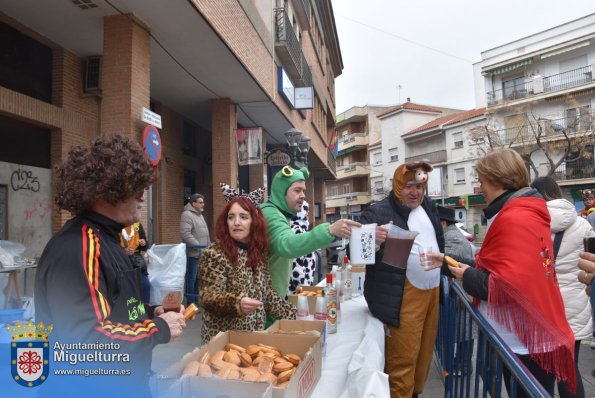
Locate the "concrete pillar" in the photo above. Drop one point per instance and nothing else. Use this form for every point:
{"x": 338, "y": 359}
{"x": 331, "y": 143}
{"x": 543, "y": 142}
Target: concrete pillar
{"x": 125, "y": 75}
{"x": 224, "y": 151}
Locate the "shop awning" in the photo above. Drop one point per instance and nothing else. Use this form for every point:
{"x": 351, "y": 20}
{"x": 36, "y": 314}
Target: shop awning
{"x": 507, "y": 68}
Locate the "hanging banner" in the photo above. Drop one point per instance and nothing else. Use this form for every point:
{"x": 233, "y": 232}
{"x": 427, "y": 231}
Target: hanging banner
{"x": 249, "y": 145}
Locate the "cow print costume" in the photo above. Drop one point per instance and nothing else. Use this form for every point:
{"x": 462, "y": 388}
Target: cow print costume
{"x": 303, "y": 267}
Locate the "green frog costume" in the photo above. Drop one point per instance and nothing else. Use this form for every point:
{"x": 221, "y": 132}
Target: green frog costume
{"x": 285, "y": 244}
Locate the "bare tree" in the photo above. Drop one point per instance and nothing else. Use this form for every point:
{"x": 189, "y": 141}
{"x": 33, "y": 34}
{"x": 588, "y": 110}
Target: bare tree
{"x": 539, "y": 138}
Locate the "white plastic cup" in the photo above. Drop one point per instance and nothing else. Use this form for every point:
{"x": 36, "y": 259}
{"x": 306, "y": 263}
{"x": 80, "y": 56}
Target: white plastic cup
{"x": 303, "y": 310}
{"x": 320, "y": 309}
{"x": 424, "y": 259}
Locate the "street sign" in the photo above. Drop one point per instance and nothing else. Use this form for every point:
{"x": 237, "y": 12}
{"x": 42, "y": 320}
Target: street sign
{"x": 278, "y": 157}
{"x": 152, "y": 144}
{"x": 151, "y": 117}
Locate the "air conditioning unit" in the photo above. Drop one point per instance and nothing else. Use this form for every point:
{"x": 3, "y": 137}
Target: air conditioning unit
{"x": 92, "y": 75}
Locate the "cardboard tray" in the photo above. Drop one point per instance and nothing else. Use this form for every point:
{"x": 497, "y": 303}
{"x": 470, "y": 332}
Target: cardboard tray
{"x": 301, "y": 385}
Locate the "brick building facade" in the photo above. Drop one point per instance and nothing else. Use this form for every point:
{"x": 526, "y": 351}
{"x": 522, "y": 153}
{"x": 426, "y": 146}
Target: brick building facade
{"x": 207, "y": 68}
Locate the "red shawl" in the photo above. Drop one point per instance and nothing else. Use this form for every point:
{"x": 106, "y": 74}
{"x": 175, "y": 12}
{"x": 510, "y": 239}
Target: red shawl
{"x": 524, "y": 296}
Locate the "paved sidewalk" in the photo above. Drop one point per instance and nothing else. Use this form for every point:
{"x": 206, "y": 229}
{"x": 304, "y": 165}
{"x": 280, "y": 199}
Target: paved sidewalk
{"x": 435, "y": 384}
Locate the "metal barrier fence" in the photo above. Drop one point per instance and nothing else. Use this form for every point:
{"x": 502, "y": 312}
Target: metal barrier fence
{"x": 472, "y": 355}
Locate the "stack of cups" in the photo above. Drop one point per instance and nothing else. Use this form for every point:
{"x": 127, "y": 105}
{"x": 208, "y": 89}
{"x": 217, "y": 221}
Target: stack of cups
{"x": 303, "y": 311}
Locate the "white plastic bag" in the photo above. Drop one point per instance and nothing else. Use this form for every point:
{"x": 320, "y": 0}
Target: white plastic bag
{"x": 8, "y": 251}
{"x": 29, "y": 307}
{"x": 167, "y": 268}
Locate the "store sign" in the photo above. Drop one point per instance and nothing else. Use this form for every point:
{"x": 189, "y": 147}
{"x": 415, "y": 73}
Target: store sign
{"x": 249, "y": 144}
{"x": 285, "y": 87}
{"x": 278, "y": 158}
{"x": 304, "y": 98}
{"x": 296, "y": 97}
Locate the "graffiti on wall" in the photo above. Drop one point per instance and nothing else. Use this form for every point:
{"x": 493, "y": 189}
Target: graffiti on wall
{"x": 41, "y": 209}
{"x": 24, "y": 179}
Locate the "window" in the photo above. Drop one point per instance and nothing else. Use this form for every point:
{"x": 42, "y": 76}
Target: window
{"x": 377, "y": 158}
{"x": 578, "y": 119}
{"x": 378, "y": 186}
{"x": 458, "y": 139}
{"x": 345, "y": 136}
{"x": 514, "y": 88}
{"x": 460, "y": 175}
{"x": 574, "y": 63}
{"x": 346, "y": 188}
{"x": 393, "y": 155}
{"x": 334, "y": 191}
{"x": 474, "y": 174}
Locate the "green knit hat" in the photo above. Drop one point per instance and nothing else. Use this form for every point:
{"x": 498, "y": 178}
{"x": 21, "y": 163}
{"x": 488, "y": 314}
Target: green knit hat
{"x": 281, "y": 183}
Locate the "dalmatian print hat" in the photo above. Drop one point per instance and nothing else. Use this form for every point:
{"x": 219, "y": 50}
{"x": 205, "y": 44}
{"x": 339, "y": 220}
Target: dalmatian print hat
{"x": 256, "y": 196}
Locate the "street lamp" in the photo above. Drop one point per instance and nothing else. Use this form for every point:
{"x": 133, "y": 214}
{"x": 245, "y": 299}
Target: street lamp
{"x": 299, "y": 145}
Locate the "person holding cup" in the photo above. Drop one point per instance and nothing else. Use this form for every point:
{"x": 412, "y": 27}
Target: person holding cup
{"x": 405, "y": 297}
{"x": 236, "y": 290}
{"x": 514, "y": 284}
{"x": 288, "y": 192}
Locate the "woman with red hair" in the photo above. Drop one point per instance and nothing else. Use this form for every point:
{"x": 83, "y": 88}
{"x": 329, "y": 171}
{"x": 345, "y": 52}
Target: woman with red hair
{"x": 236, "y": 290}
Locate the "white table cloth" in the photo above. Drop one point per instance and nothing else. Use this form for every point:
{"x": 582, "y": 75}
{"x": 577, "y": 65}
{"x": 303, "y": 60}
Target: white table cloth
{"x": 354, "y": 361}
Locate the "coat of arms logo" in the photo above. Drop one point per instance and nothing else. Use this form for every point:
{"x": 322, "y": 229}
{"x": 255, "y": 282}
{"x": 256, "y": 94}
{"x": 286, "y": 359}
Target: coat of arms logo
{"x": 29, "y": 353}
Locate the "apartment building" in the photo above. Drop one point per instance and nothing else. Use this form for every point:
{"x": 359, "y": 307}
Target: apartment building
{"x": 446, "y": 143}
{"x": 350, "y": 194}
{"x": 72, "y": 70}
{"x": 539, "y": 96}
{"x": 394, "y": 123}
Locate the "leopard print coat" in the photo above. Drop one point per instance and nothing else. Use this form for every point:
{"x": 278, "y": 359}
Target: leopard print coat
{"x": 223, "y": 285}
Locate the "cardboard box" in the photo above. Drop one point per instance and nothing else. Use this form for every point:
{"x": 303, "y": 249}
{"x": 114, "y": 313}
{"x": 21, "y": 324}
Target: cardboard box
{"x": 286, "y": 326}
{"x": 293, "y": 299}
{"x": 301, "y": 385}
{"x": 210, "y": 388}
{"x": 358, "y": 276}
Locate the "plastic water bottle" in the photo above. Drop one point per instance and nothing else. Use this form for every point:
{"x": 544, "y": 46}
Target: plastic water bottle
{"x": 346, "y": 279}
{"x": 331, "y": 305}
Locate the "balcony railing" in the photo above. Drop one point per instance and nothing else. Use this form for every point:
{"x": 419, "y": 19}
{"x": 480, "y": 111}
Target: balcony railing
{"x": 352, "y": 140}
{"x": 289, "y": 50}
{"x": 539, "y": 85}
{"x": 549, "y": 129}
{"x": 581, "y": 168}
{"x": 568, "y": 79}
{"x": 432, "y": 157}
{"x": 353, "y": 170}
{"x": 353, "y": 198}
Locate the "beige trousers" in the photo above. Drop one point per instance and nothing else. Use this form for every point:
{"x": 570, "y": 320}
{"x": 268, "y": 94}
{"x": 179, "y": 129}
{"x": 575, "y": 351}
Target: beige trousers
{"x": 409, "y": 348}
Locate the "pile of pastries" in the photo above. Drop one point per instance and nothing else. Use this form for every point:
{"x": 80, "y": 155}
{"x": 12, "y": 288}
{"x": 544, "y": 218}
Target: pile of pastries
{"x": 256, "y": 362}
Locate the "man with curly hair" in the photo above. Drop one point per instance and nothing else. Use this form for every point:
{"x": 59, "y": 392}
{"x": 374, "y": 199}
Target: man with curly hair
{"x": 86, "y": 286}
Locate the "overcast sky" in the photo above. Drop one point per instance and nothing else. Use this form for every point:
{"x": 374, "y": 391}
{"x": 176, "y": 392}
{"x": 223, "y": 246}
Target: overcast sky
{"x": 429, "y": 46}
